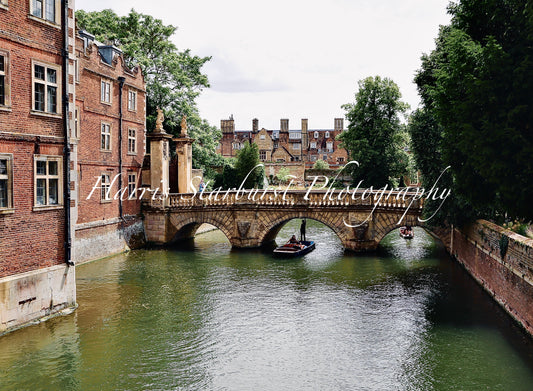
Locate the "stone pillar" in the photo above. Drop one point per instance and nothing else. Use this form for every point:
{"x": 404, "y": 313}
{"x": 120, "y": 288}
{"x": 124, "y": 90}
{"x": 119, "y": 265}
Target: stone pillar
{"x": 184, "y": 154}
{"x": 159, "y": 156}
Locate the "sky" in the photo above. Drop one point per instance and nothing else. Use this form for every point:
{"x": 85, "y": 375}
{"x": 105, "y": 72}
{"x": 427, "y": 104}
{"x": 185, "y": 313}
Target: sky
{"x": 295, "y": 58}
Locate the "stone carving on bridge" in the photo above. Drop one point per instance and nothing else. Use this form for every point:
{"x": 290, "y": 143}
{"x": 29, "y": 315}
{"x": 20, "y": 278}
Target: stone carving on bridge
{"x": 360, "y": 231}
{"x": 243, "y": 227}
{"x": 183, "y": 125}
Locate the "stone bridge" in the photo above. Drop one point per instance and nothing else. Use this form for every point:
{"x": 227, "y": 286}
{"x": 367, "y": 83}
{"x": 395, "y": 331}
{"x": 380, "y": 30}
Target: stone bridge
{"x": 360, "y": 219}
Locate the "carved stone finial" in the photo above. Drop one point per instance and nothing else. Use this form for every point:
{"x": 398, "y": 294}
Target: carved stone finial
{"x": 159, "y": 121}
{"x": 184, "y": 125}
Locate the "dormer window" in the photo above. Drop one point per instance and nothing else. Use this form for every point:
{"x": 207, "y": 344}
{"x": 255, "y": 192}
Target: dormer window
{"x": 327, "y": 134}
{"x": 316, "y": 134}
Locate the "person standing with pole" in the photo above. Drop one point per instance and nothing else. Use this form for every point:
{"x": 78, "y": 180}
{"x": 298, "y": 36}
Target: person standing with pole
{"x": 302, "y": 230}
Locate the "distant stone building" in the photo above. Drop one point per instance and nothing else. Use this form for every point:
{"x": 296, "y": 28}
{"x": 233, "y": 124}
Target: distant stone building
{"x": 109, "y": 128}
{"x": 286, "y": 145}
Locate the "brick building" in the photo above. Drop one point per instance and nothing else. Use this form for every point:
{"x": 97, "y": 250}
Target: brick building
{"x": 110, "y": 139}
{"x": 286, "y": 145}
{"x": 36, "y": 95}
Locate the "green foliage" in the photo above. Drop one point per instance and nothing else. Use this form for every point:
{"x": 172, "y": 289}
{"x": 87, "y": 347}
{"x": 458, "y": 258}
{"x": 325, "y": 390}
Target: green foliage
{"x": 321, "y": 165}
{"x": 374, "y": 135}
{"x": 247, "y": 159}
{"x": 173, "y": 78}
{"x": 283, "y": 174}
{"x": 477, "y": 84}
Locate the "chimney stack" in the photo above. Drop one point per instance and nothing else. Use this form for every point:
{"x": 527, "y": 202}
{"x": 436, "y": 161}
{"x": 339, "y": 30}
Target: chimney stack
{"x": 284, "y": 125}
{"x": 339, "y": 125}
{"x": 255, "y": 125}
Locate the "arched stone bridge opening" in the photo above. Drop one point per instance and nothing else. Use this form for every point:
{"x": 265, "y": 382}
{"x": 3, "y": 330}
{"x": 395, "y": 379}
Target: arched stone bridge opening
{"x": 359, "y": 222}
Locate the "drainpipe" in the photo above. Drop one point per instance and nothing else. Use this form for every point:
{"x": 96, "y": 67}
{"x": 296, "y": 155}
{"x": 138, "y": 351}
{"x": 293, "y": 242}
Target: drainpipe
{"x": 66, "y": 129}
{"x": 121, "y": 80}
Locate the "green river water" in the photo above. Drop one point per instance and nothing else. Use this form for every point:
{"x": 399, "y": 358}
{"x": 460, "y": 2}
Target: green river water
{"x": 205, "y": 317}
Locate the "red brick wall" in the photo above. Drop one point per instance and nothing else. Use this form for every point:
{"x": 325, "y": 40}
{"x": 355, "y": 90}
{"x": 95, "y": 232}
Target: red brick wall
{"x": 29, "y": 239}
{"x": 92, "y": 162}
{"x": 508, "y": 279}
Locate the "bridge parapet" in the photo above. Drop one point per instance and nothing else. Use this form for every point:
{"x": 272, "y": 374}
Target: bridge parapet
{"x": 260, "y": 198}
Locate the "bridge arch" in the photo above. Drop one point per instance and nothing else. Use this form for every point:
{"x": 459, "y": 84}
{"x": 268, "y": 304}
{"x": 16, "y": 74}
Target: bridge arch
{"x": 185, "y": 227}
{"x": 272, "y": 229}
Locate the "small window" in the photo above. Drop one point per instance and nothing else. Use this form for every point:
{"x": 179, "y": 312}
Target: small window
{"x": 340, "y": 159}
{"x": 132, "y": 186}
{"x": 6, "y": 181}
{"x": 77, "y": 70}
{"x": 76, "y": 122}
{"x": 262, "y": 155}
{"x": 296, "y": 146}
{"x": 313, "y": 145}
{"x": 316, "y": 134}
{"x": 105, "y": 143}
{"x": 327, "y": 134}
{"x": 261, "y": 137}
{"x": 132, "y": 100}
{"x": 105, "y": 93}
{"x": 48, "y": 180}
{"x": 105, "y": 194}
{"x": 45, "y": 9}
{"x": 46, "y": 90}
{"x": 4, "y": 79}
{"x": 132, "y": 141}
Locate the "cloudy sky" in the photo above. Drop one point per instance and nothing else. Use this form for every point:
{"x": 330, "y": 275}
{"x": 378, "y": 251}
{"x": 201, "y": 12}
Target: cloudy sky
{"x": 295, "y": 58}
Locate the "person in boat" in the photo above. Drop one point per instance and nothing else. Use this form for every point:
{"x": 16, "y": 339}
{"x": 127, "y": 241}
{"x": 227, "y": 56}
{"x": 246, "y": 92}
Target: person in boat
{"x": 302, "y": 230}
{"x": 293, "y": 239}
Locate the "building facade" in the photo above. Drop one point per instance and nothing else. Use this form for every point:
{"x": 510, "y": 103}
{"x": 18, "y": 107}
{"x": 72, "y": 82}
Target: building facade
{"x": 109, "y": 128}
{"x": 36, "y": 204}
{"x": 286, "y": 145}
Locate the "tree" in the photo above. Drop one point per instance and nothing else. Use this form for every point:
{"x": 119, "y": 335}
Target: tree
{"x": 283, "y": 174}
{"x": 477, "y": 84}
{"x": 247, "y": 162}
{"x": 321, "y": 165}
{"x": 173, "y": 78}
{"x": 373, "y": 136}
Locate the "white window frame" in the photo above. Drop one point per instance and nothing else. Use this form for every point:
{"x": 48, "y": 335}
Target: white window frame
{"x": 8, "y": 177}
{"x": 47, "y": 84}
{"x": 105, "y": 137}
{"x": 47, "y": 177}
{"x": 316, "y": 134}
{"x": 132, "y": 185}
{"x": 132, "y": 141}
{"x": 106, "y": 91}
{"x": 262, "y": 137}
{"x": 77, "y": 70}
{"x": 105, "y": 187}
{"x": 327, "y": 134}
{"x": 329, "y": 146}
{"x": 40, "y": 12}
{"x": 132, "y": 100}
{"x": 313, "y": 144}
{"x": 7, "y": 82}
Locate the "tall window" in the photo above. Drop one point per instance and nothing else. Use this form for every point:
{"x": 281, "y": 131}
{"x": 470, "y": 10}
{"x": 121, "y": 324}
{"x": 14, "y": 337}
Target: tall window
{"x": 45, "y": 9}
{"x": 48, "y": 180}
{"x": 262, "y": 155}
{"x": 132, "y": 141}
{"x": 46, "y": 88}
{"x": 105, "y": 143}
{"x": 329, "y": 146}
{"x": 105, "y": 194}
{"x": 4, "y": 87}
{"x": 6, "y": 181}
{"x": 132, "y": 186}
{"x": 132, "y": 100}
{"x": 105, "y": 93}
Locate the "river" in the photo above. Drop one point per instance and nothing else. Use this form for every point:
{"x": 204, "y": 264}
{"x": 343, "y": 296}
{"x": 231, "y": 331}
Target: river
{"x": 204, "y": 317}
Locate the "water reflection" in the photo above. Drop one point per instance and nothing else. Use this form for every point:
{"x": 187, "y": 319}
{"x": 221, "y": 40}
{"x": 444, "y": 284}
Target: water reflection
{"x": 203, "y": 316}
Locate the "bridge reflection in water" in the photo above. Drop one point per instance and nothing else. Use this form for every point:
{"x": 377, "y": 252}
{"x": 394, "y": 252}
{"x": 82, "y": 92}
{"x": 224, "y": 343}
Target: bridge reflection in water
{"x": 360, "y": 219}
